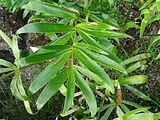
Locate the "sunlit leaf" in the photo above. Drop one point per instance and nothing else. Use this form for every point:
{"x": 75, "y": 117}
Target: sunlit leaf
{"x": 136, "y": 79}
{"x": 87, "y": 92}
{"x": 49, "y": 8}
{"x": 48, "y": 73}
{"x": 44, "y": 28}
{"x": 52, "y": 87}
{"x": 70, "y": 91}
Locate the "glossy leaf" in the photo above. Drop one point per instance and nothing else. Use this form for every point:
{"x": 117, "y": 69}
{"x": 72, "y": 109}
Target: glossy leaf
{"x": 52, "y": 87}
{"x": 6, "y": 38}
{"x": 136, "y": 58}
{"x": 94, "y": 67}
{"x": 87, "y": 92}
{"x": 130, "y": 25}
{"x": 96, "y": 26}
{"x": 63, "y": 39}
{"x": 158, "y": 56}
{"x": 106, "y": 61}
{"x": 144, "y": 23}
{"x": 132, "y": 104}
{"x": 14, "y": 88}
{"x": 87, "y": 38}
{"x": 133, "y": 112}
{"x": 70, "y": 91}
{"x": 107, "y": 114}
{"x": 146, "y": 4}
{"x": 7, "y": 64}
{"x": 91, "y": 75}
{"x": 90, "y": 47}
{"x": 136, "y": 66}
{"x": 106, "y": 34}
{"x": 138, "y": 93}
{"x": 49, "y": 8}
{"x": 15, "y": 49}
{"x": 36, "y": 58}
{"x": 136, "y": 79}
{"x": 70, "y": 111}
{"x": 44, "y": 28}
{"x": 154, "y": 41}
{"x": 3, "y": 70}
{"x": 48, "y": 73}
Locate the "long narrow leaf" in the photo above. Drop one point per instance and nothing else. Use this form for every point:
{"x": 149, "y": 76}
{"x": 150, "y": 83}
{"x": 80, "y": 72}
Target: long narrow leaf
{"x": 50, "y": 9}
{"x": 44, "y": 28}
{"x": 105, "y": 61}
{"x": 48, "y": 73}
{"x": 94, "y": 67}
{"x": 87, "y": 92}
{"x": 6, "y": 38}
{"x": 136, "y": 58}
{"x": 138, "y": 93}
{"x": 36, "y": 58}
{"x": 70, "y": 91}
{"x": 105, "y": 34}
{"x": 136, "y": 79}
{"x": 7, "y": 64}
{"x": 51, "y": 88}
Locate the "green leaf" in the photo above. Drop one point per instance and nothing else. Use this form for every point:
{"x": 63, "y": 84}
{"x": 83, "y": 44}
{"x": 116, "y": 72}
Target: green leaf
{"x": 91, "y": 75}
{"x": 6, "y": 38}
{"x": 94, "y": 67}
{"x": 142, "y": 116}
{"x": 48, "y": 73}
{"x": 96, "y": 26}
{"x": 133, "y": 112}
{"x": 87, "y": 38}
{"x": 2, "y": 70}
{"x": 90, "y": 47}
{"x": 48, "y": 8}
{"x": 36, "y": 58}
{"x": 52, "y": 87}
{"x": 146, "y": 4}
{"x": 7, "y": 64}
{"x": 63, "y": 39}
{"x": 105, "y": 34}
{"x": 136, "y": 58}
{"x": 154, "y": 41}
{"x": 41, "y": 16}
{"x": 135, "y": 66}
{"x": 138, "y": 93}
{"x": 14, "y": 86}
{"x": 106, "y": 61}
{"x": 107, "y": 114}
{"x": 144, "y": 23}
{"x": 130, "y": 25}
{"x": 70, "y": 91}
{"x": 95, "y": 18}
{"x": 70, "y": 111}
{"x": 158, "y": 56}
{"x": 124, "y": 108}
{"x": 132, "y": 104}
{"x": 136, "y": 79}
{"x": 119, "y": 112}
{"x": 15, "y": 49}
{"x": 55, "y": 47}
{"x": 44, "y": 28}
{"x": 87, "y": 92}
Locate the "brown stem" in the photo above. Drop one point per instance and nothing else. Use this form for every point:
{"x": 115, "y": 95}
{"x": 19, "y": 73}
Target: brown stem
{"x": 119, "y": 101}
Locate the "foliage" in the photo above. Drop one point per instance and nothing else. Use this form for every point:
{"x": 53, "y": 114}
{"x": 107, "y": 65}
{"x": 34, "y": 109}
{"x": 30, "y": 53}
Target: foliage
{"x": 79, "y": 55}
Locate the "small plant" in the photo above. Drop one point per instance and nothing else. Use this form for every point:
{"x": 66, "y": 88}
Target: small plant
{"x": 79, "y": 55}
